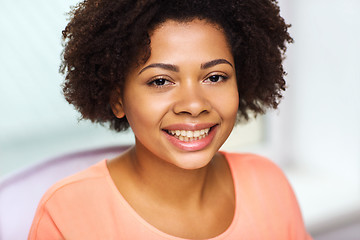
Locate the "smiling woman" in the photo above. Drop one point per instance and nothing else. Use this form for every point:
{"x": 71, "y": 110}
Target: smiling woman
{"x": 180, "y": 81}
{"x": 179, "y": 91}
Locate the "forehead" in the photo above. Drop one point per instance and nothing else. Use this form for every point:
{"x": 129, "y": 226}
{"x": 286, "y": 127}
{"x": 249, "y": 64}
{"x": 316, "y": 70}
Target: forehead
{"x": 194, "y": 39}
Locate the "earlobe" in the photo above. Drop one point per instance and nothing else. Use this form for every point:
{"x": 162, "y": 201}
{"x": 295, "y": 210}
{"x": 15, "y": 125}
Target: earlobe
{"x": 116, "y": 104}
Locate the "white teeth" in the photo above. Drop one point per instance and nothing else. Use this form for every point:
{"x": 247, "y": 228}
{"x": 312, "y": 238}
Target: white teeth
{"x": 184, "y": 135}
{"x": 196, "y": 134}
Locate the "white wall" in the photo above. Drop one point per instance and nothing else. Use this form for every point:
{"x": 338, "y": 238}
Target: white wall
{"x": 324, "y": 107}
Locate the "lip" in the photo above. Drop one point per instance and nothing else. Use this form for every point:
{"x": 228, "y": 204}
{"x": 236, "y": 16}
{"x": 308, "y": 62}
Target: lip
{"x": 195, "y": 145}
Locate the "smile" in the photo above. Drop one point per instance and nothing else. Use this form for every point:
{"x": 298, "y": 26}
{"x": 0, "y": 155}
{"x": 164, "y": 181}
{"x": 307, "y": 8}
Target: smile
{"x": 188, "y": 136}
{"x": 191, "y": 137}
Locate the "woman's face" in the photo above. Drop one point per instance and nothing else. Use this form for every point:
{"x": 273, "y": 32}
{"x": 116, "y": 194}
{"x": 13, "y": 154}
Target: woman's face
{"x": 182, "y": 103}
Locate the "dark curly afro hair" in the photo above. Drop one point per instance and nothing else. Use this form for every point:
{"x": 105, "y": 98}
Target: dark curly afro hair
{"x": 105, "y": 38}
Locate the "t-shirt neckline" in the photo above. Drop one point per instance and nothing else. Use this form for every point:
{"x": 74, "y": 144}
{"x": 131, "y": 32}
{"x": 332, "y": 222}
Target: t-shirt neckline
{"x": 162, "y": 234}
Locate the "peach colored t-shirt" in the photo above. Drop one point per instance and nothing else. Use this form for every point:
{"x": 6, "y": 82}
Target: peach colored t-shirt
{"x": 88, "y": 206}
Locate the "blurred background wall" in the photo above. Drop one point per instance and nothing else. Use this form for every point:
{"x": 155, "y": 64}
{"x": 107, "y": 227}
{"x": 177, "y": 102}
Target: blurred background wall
{"x": 314, "y": 136}
{"x": 323, "y": 109}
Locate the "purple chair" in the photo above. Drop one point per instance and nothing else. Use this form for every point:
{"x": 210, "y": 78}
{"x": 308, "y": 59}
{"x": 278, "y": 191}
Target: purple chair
{"x": 20, "y": 193}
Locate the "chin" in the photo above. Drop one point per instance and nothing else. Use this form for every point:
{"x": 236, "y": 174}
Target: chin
{"x": 193, "y": 161}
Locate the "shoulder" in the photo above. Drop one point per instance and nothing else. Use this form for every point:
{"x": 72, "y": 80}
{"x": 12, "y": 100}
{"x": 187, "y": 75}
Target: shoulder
{"x": 252, "y": 163}
{"x": 77, "y": 183}
{"x": 258, "y": 173}
{"x": 68, "y": 198}
{"x": 263, "y": 191}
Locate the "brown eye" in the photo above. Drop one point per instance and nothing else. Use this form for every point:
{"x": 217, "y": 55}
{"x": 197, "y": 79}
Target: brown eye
{"x": 216, "y": 78}
{"x": 159, "y": 82}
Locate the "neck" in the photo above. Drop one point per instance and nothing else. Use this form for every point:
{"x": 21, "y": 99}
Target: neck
{"x": 167, "y": 183}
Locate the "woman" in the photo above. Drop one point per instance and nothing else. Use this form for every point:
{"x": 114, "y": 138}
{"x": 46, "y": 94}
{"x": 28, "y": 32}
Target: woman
{"x": 180, "y": 74}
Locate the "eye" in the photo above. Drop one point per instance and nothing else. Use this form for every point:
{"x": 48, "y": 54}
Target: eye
{"x": 159, "y": 82}
{"x": 216, "y": 78}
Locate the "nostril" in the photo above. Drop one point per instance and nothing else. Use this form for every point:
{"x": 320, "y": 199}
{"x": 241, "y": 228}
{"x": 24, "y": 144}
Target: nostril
{"x": 193, "y": 112}
{"x": 192, "y": 106}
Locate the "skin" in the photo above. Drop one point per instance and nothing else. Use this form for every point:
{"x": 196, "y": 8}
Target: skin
{"x": 187, "y": 83}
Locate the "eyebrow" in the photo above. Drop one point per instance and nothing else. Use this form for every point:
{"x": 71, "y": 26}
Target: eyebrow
{"x": 175, "y": 68}
{"x": 214, "y": 63}
{"x": 161, "y": 65}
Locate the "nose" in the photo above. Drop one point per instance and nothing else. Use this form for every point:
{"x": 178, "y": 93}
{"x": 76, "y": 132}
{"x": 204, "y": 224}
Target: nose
{"x": 192, "y": 99}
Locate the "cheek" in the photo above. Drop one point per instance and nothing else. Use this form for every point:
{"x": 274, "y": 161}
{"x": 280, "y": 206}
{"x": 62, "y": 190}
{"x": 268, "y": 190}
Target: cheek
{"x": 145, "y": 111}
{"x": 227, "y": 104}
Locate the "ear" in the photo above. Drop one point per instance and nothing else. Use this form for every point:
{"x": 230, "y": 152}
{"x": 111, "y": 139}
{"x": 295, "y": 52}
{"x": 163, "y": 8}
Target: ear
{"x": 116, "y": 103}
